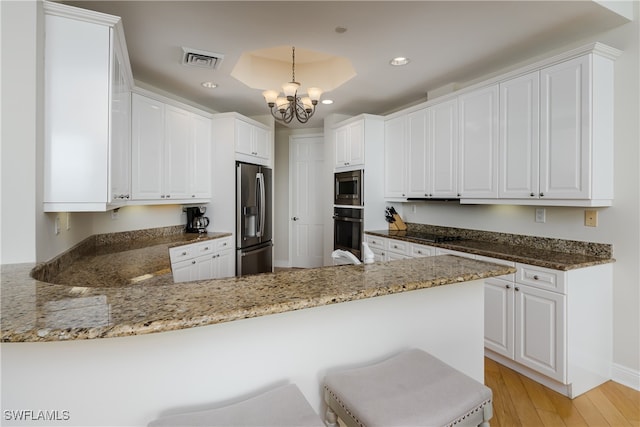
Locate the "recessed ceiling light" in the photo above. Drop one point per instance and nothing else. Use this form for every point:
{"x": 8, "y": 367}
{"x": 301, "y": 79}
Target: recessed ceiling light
{"x": 209, "y": 85}
{"x": 327, "y": 101}
{"x": 398, "y": 61}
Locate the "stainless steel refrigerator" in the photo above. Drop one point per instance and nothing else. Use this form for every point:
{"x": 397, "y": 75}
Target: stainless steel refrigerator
{"x": 254, "y": 249}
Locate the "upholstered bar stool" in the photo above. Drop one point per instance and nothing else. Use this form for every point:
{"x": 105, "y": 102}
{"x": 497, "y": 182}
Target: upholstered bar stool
{"x": 281, "y": 407}
{"x": 410, "y": 389}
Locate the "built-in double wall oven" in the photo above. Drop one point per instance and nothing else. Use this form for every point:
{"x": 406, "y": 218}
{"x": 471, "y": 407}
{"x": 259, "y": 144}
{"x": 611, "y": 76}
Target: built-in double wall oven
{"x": 348, "y": 212}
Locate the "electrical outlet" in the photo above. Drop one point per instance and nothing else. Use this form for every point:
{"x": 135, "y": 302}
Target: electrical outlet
{"x": 590, "y": 218}
{"x": 541, "y": 215}
{"x": 115, "y": 214}
{"x": 413, "y": 208}
{"x": 56, "y": 226}
{"x": 68, "y": 225}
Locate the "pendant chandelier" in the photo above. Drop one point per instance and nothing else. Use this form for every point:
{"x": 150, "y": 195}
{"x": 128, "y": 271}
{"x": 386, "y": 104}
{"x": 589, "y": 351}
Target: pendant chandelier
{"x": 285, "y": 108}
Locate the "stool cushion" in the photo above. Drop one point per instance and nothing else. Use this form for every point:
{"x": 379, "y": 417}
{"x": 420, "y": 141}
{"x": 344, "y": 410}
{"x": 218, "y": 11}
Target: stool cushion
{"x": 284, "y": 406}
{"x": 412, "y": 388}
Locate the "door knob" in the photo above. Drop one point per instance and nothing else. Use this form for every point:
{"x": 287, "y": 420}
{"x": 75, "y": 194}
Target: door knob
{"x": 295, "y": 218}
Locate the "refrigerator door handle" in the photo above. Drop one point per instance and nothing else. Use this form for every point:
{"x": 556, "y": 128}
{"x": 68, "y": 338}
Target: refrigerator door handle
{"x": 261, "y": 203}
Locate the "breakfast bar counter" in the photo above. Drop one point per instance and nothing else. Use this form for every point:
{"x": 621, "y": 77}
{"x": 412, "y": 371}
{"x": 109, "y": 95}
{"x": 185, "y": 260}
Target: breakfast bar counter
{"x": 124, "y": 355}
{"x": 40, "y": 311}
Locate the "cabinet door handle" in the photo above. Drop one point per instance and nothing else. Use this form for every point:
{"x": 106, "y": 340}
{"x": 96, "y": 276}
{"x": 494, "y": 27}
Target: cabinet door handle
{"x": 168, "y": 196}
{"x": 162, "y": 196}
{"x": 193, "y": 262}
{"x": 517, "y": 289}
{"x": 508, "y": 286}
{"x": 532, "y": 194}
{"x": 541, "y": 194}
{"x": 536, "y": 277}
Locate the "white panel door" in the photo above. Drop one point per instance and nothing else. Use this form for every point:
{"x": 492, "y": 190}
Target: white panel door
{"x": 498, "y": 316}
{"x": 306, "y": 160}
{"x": 356, "y": 143}
{"x": 565, "y": 132}
{"x": 200, "y": 186}
{"x": 177, "y": 166}
{"x": 540, "y": 331}
{"x": 394, "y": 157}
{"x": 519, "y": 137}
{"x": 443, "y": 150}
{"x": 478, "y": 147}
{"x": 147, "y": 140}
{"x": 417, "y": 153}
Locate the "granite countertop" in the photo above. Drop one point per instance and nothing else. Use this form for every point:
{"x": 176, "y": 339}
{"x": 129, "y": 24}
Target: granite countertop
{"x": 548, "y": 256}
{"x": 33, "y": 310}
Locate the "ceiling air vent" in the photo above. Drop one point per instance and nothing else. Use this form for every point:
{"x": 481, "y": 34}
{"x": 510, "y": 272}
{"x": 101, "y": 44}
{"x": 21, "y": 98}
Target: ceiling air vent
{"x": 201, "y": 58}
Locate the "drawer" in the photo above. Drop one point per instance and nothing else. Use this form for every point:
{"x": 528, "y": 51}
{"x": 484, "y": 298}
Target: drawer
{"x": 541, "y": 278}
{"x": 398, "y": 246}
{"x": 204, "y": 248}
{"x": 416, "y": 250}
{"x": 510, "y": 277}
{"x": 223, "y": 243}
{"x": 180, "y": 253}
{"x": 375, "y": 242}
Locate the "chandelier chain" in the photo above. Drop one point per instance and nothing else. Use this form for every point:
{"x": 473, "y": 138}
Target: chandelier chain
{"x": 293, "y": 63}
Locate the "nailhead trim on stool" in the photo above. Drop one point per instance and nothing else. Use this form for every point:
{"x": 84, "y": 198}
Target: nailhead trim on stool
{"x": 410, "y": 389}
{"x": 284, "y": 406}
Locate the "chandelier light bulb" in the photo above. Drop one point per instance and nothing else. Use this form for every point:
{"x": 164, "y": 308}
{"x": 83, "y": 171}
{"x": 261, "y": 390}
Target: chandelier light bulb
{"x": 270, "y": 97}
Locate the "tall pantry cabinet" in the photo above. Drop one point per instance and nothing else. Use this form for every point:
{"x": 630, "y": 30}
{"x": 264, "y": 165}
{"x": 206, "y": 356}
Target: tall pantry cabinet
{"x": 86, "y": 111}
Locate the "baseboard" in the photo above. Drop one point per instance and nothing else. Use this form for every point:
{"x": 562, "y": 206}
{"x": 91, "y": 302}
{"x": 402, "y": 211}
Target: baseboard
{"x": 281, "y": 263}
{"x": 626, "y": 376}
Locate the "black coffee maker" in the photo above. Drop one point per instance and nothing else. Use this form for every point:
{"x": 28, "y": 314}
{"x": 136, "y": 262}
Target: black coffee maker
{"x": 196, "y": 221}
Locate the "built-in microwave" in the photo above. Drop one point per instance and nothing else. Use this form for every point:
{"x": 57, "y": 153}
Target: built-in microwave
{"x": 349, "y": 188}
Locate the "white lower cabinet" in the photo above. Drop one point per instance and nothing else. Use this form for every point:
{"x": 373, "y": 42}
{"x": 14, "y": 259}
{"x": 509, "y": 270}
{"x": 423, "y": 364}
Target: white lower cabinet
{"x": 552, "y": 326}
{"x": 526, "y": 325}
{"x": 391, "y": 249}
{"x": 213, "y": 259}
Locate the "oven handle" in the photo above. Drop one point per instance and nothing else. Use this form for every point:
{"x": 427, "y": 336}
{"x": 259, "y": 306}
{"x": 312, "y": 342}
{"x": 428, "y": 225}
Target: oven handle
{"x": 346, "y": 218}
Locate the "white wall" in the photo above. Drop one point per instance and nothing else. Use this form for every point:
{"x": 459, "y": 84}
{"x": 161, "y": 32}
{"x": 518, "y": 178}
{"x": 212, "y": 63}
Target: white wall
{"x": 618, "y": 225}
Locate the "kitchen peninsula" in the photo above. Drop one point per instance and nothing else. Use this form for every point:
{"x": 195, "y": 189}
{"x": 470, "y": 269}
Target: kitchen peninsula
{"x": 257, "y": 331}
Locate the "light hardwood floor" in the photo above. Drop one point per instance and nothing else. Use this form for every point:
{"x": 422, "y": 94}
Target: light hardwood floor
{"x": 520, "y": 401}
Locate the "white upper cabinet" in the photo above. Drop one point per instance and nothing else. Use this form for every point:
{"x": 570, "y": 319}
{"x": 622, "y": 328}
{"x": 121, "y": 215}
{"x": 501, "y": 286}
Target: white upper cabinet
{"x": 395, "y": 131}
{"x": 478, "y": 147}
{"x": 253, "y": 143}
{"x": 349, "y": 145}
{"x": 86, "y": 113}
{"x": 519, "y": 137}
{"x": 539, "y": 135}
{"x": 171, "y": 153}
{"x": 443, "y": 150}
{"x": 576, "y": 136}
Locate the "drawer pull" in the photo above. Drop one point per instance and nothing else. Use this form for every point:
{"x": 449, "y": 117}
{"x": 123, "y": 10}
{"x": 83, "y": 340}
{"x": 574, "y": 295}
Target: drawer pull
{"x": 184, "y": 253}
{"x": 535, "y": 277}
{"x": 193, "y": 262}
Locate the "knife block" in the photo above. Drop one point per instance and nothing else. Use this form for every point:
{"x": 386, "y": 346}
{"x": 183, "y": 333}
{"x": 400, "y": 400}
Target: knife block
{"x": 398, "y": 224}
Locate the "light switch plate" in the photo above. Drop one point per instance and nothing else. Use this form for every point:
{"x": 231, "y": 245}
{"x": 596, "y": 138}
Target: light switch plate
{"x": 590, "y": 218}
{"x": 541, "y": 215}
